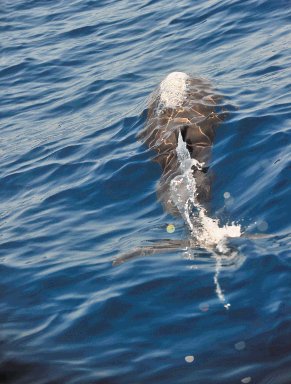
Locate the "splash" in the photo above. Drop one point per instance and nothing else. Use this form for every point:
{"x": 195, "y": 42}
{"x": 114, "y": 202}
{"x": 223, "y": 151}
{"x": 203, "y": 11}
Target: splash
{"x": 205, "y": 229}
{"x": 207, "y": 232}
{"x": 212, "y": 234}
{"x": 183, "y": 186}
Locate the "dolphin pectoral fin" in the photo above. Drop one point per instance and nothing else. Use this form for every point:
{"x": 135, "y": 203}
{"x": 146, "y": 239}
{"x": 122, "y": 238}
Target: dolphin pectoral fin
{"x": 137, "y": 252}
{"x": 148, "y": 250}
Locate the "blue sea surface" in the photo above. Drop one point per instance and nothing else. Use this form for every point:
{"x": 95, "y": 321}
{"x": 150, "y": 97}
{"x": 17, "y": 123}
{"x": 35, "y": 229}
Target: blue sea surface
{"x": 77, "y": 190}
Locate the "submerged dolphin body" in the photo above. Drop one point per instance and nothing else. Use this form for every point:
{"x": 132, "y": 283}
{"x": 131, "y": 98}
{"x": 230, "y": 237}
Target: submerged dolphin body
{"x": 187, "y": 106}
{"x": 182, "y": 108}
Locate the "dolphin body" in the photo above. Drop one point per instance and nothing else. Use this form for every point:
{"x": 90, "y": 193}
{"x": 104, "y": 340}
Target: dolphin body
{"x": 186, "y": 105}
{"x": 181, "y": 106}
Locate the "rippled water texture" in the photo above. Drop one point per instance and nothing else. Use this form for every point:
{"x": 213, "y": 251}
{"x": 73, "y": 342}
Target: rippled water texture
{"x": 78, "y": 189}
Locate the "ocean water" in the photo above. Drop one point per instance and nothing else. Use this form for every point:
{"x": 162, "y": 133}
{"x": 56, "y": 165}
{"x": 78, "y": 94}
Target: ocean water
{"x": 78, "y": 189}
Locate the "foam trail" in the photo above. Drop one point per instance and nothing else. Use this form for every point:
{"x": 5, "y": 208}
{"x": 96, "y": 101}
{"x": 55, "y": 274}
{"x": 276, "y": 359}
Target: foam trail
{"x": 207, "y": 231}
{"x": 183, "y": 192}
{"x": 183, "y": 186}
{"x": 218, "y": 289}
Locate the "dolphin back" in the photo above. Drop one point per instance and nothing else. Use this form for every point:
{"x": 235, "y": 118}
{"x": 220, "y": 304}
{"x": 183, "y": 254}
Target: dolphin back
{"x": 187, "y": 105}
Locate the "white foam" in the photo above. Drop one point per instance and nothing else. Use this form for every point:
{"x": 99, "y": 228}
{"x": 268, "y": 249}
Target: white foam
{"x": 207, "y": 230}
{"x": 213, "y": 233}
{"x": 183, "y": 186}
{"x": 173, "y": 90}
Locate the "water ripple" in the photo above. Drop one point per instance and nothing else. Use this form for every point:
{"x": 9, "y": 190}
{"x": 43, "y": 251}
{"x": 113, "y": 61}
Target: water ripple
{"x": 77, "y": 189}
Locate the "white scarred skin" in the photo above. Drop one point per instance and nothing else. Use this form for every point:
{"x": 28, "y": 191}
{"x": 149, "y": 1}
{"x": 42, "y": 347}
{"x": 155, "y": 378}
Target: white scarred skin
{"x": 173, "y": 89}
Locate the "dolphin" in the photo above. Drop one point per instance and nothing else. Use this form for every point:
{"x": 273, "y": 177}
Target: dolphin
{"x": 186, "y": 107}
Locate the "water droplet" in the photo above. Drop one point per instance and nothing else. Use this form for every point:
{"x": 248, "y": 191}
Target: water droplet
{"x": 189, "y": 359}
{"x": 188, "y": 256}
{"x": 240, "y": 345}
{"x": 204, "y": 307}
{"x": 170, "y": 228}
{"x": 262, "y": 226}
{"x": 226, "y": 195}
{"x": 246, "y": 380}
